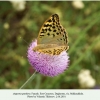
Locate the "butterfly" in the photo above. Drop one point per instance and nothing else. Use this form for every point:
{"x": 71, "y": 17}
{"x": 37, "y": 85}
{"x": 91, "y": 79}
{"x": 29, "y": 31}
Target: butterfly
{"x": 52, "y": 38}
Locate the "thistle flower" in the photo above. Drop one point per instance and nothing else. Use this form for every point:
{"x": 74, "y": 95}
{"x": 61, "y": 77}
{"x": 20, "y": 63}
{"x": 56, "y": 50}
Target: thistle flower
{"x": 48, "y": 65}
{"x": 85, "y": 79}
{"x": 78, "y": 4}
{"x": 18, "y": 5}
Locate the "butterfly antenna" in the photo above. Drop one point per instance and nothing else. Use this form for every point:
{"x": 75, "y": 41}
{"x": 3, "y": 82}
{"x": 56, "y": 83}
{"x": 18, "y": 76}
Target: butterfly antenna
{"x": 24, "y": 40}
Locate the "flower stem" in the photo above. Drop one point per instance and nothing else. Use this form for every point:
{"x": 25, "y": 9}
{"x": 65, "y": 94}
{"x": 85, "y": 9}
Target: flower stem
{"x": 82, "y": 35}
{"x": 85, "y": 53}
{"x": 28, "y": 81}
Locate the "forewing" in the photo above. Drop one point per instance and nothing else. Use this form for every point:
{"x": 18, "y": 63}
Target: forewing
{"x": 52, "y": 32}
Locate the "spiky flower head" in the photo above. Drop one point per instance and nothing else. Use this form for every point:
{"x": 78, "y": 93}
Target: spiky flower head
{"x": 46, "y": 64}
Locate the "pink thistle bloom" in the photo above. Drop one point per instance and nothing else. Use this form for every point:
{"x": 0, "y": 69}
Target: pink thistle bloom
{"x": 48, "y": 65}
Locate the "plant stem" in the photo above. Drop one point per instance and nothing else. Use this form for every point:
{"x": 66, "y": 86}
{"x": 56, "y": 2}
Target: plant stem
{"x": 28, "y": 81}
{"x": 82, "y": 35}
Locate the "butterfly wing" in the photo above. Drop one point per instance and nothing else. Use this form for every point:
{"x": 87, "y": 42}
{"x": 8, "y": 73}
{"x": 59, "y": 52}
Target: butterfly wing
{"x": 52, "y": 49}
{"x": 52, "y": 32}
{"x": 52, "y": 38}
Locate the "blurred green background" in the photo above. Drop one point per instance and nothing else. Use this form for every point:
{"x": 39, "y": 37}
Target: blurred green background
{"x": 20, "y": 23}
